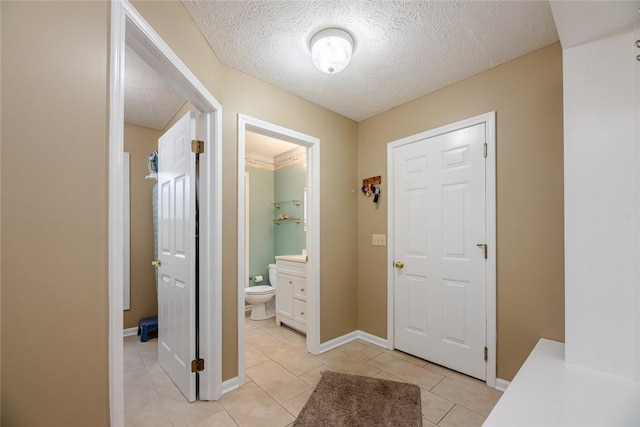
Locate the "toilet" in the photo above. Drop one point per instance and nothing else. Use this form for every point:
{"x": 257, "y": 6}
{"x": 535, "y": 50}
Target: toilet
{"x": 262, "y": 297}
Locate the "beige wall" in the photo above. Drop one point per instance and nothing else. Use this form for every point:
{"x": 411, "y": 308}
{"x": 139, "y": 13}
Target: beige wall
{"x": 239, "y": 93}
{"x": 139, "y": 142}
{"x": 526, "y": 94}
{"x": 54, "y": 214}
{"x": 187, "y": 107}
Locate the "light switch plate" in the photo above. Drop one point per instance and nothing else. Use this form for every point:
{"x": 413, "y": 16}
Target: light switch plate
{"x": 378, "y": 240}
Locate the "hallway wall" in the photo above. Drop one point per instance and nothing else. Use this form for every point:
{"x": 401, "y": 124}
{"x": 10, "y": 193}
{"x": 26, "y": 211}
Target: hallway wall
{"x": 54, "y": 214}
{"x": 526, "y": 94}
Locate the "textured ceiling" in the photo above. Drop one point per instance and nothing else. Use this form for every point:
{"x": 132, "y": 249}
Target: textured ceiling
{"x": 148, "y": 100}
{"x": 403, "y": 49}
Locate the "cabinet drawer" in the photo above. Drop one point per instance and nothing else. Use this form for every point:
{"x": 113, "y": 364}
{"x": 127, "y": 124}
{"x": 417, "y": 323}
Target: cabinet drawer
{"x": 299, "y": 288}
{"x": 300, "y": 311}
{"x": 290, "y": 267}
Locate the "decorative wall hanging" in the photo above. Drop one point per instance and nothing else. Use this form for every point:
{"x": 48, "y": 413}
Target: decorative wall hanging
{"x": 371, "y": 187}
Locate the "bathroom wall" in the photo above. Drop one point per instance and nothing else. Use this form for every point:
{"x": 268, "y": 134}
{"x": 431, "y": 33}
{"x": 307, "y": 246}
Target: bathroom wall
{"x": 139, "y": 142}
{"x": 261, "y": 226}
{"x": 290, "y": 237}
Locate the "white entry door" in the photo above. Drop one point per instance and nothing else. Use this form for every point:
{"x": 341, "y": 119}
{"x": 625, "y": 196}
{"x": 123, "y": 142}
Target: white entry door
{"x": 176, "y": 252}
{"x": 439, "y": 270}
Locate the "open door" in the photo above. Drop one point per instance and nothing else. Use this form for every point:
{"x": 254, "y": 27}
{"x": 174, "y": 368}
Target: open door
{"x": 177, "y": 255}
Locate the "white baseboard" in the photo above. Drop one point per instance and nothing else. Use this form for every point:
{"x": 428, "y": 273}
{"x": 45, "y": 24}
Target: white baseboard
{"x": 501, "y": 384}
{"x": 337, "y": 342}
{"x": 130, "y": 332}
{"x": 382, "y": 342}
{"x": 247, "y": 308}
{"x": 373, "y": 339}
{"x": 364, "y": 336}
{"x": 230, "y": 385}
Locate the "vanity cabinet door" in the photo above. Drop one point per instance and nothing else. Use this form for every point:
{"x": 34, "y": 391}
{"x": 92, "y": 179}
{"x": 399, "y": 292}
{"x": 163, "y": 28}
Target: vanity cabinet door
{"x": 284, "y": 295}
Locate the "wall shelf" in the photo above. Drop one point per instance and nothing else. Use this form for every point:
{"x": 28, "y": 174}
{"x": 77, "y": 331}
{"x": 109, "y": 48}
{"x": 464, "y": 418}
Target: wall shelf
{"x": 284, "y": 205}
{"x": 278, "y": 205}
{"x": 277, "y": 221}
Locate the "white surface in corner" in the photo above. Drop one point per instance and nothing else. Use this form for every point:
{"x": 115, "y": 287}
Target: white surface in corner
{"x": 549, "y": 392}
{"x": 600, "y": 173}
{"x": 580, "y": 22}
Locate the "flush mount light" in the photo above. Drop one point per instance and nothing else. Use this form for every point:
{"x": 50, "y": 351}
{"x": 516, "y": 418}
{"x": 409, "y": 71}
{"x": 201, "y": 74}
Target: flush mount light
{"x": 331, "y": 50}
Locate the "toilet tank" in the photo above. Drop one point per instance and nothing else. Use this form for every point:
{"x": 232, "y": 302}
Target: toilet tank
{"x": 272, "y": 274}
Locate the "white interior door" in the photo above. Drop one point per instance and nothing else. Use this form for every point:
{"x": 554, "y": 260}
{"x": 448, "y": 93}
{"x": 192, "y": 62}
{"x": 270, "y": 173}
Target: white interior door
{"x": 439, "y": 221}
{"x": 176, "y": 252}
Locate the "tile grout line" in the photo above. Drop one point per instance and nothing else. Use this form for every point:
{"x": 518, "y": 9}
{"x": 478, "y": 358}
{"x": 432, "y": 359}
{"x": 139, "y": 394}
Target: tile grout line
{"x": 445, "y": 415}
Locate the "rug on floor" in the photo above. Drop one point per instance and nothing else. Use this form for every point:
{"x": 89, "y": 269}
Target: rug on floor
{"x": 341, "y": 400}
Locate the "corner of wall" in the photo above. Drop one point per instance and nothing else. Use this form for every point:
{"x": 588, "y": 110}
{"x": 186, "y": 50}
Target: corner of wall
{"x": 1, "y": 26}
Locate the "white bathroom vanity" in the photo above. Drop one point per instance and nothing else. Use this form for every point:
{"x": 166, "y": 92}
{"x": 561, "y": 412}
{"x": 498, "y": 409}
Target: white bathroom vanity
{"x": 291, "y": 295}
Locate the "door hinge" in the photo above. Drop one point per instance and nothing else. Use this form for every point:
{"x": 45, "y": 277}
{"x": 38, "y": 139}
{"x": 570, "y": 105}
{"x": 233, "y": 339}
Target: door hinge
{"x": 197, "y": 365}
{"x": 486, "y": 354}
{"x": 197, "y": 146}
{"x": 485, "y": 147}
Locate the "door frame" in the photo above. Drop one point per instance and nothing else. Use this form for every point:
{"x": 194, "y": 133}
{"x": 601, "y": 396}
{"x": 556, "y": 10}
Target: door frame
{"x": 126, "y": 228}
{"x": 246, "y": 123}
{"x": 490, "y": 206}
{"x": 129, "y": 27}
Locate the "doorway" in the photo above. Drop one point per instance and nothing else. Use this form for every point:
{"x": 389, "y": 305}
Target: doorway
{"x": 128, "y": 28}
{"x": 441, "y": 221}
{"x": 311, "y": 215}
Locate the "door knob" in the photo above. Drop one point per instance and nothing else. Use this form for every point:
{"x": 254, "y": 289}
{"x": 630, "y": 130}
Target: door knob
{"x": 156, "y": 263}
{"x": 484, "y": 247}
{"x": 399, "y": 264}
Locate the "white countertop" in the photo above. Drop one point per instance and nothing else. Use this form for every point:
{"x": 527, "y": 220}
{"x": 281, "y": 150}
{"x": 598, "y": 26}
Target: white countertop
{"x": 292, "y": 258}
{"x": 547, "y": 392}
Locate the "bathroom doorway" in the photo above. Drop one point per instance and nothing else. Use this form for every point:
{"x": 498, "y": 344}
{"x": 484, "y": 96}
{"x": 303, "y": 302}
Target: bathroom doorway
{"x": 128, "y": 28}
{"x": 289, "y": 216}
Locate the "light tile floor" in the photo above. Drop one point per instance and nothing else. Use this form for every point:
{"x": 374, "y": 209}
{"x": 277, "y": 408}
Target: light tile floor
{"x": 281, "y": 376}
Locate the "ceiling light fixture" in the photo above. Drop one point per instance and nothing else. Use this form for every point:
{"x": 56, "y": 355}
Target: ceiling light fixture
{"x": 331, "y": 50}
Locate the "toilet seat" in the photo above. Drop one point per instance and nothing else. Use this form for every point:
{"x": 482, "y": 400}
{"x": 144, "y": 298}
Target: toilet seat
{"x": 259, "y": 290}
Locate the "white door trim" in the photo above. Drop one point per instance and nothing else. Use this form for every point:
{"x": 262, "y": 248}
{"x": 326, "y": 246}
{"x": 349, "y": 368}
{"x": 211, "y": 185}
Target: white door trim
{"x": 126, "y": 228}
{"x": 489, "y": 119}
{"x": 312, "y": 143}
{"x": 129, "y": 27}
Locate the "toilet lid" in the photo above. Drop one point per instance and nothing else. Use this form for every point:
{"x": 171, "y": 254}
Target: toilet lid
{"x": 259, "y": 290}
